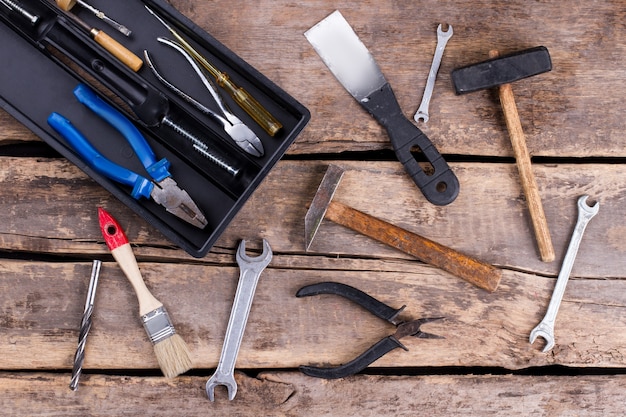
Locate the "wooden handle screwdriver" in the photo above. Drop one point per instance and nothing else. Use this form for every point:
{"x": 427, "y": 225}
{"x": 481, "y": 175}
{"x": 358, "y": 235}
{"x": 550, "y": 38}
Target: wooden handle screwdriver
{"x": 118, "y": 50}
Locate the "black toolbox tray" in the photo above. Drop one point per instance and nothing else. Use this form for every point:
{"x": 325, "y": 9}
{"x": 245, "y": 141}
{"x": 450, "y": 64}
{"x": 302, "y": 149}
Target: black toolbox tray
{"x": 37, "y": 80}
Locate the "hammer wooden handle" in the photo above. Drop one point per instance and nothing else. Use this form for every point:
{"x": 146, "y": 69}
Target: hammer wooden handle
{"x": 478, "y": 273}
{"x": 522, "y": 158}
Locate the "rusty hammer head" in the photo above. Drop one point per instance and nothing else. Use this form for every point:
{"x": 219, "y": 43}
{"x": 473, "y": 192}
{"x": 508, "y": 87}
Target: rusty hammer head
{"x": 319, "y": 205}
{"x": 501, "y": 70}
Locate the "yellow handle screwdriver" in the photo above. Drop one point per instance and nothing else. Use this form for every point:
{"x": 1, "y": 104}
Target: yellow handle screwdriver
{"x": 241, "y": 96}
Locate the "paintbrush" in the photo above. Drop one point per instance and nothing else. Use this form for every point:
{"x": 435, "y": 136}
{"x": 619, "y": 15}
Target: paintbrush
{"x": 170, "y": 349}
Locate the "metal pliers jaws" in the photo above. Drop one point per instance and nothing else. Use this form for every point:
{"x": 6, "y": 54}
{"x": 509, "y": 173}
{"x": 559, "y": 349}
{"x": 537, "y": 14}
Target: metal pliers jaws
{"x": 379, "y": 309}
{"x": 162, "y": 188}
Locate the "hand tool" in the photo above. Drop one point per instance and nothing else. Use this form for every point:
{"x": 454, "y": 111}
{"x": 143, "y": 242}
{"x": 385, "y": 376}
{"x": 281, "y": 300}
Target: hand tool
{"x": 379, "y": 309}
{"x": 250, "y": 271}
{"x": 545, "y": 328}
{"x": 170, "y": 349}
{"x": 442, "y": 40}
{"x": 241, "y": 134}
{"x": 322, "y": 207}
{"x": 11, "y": 5}
{"x": 163, "y": 190}
{"x": 118, "y": 50}
{"x": 85, "y": 325}
{"x": 241, "y": 96}
{"x": 353, "y": 65}
{"x": 500, "y": 71}
{"x": 67, "y": 5}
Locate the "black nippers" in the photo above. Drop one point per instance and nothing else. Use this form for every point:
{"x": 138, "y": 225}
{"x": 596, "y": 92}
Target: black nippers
{"x": 379, "y": 309}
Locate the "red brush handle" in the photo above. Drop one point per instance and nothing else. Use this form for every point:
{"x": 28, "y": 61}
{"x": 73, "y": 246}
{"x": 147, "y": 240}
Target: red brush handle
{"x": 113, "y": 233}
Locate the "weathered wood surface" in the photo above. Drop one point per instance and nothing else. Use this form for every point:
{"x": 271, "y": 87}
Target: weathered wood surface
{"x": 489, "y": 219}
{"x": 48, "y": 235}
{"x": 291, "y": 394}
{"x": 41, "y": 309}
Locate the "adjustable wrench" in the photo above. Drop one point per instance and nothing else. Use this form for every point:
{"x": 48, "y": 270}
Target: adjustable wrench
{"x": 250, "y": 271}
{"x": 442, "y": 40}
{"x": 545, "y": 328}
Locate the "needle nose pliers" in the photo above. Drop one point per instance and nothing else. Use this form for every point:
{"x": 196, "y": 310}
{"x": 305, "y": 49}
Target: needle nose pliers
{"x": 379, "y": 309}
{"x": 162, "y": 188}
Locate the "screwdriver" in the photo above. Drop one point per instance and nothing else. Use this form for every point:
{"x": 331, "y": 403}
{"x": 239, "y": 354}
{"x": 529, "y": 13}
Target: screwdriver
{"x": 118, "y": 50}
{"x": 68, "y": 4}
{"x": 241, "y": 96}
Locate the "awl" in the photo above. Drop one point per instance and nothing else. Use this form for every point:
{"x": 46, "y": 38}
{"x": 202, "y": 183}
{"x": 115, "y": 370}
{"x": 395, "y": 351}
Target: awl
{"x": 355, "y": 68}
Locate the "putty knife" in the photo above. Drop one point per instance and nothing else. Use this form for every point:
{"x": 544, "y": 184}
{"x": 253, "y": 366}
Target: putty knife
{"x": 353, "y": 65}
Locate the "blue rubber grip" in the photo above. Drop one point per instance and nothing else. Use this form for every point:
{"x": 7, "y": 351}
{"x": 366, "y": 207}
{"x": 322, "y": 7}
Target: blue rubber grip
{"x": 142, "y": 187}
{"x": 157, "y": 170}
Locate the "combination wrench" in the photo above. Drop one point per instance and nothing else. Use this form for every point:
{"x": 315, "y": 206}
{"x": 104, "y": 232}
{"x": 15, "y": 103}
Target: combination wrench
{"x": 545, "y": 328}
{"x": 442, "y": 40}
{"x": 250, "y": 271}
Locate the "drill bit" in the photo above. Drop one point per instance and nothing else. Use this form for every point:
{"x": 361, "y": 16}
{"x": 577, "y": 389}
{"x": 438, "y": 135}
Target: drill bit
{"x": 85, "y": 325}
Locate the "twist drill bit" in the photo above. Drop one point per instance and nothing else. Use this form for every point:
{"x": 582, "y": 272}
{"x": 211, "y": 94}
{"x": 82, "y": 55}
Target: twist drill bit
{"x": 85, "y": 325}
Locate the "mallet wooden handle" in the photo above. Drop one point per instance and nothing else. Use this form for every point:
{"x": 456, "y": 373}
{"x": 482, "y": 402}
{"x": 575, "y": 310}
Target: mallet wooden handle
{"x": 522, "y": 158}
{"x": 476, "y": 272}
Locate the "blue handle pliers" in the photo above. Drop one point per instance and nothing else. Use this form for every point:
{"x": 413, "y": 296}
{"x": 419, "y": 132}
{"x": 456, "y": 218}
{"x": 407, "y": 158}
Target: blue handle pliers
{"x": 162, "y": 188}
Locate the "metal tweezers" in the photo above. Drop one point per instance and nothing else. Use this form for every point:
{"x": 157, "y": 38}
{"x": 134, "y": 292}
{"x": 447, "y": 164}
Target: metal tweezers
{"x": 379, "y": 309}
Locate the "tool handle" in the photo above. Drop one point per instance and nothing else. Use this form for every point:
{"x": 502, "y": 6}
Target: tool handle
{"x": 368, "y": 357}
{"x": 250, "y": 105}
{"x": 120, "y": 248}
{"x": 481, "y": 274}
{"x": 142, "y": 187}
{"x": 371, "y": 304}
{"x": 118, "y": 50}
{"x": 524, "y": 166}
{"x": 440, "y": 186}
{"x": 157, "y": 170}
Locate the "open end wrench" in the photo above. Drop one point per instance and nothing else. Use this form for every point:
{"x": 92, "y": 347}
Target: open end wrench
{"x": 250, "y": 271}
{"x": 545, "y": 328}
{"x": 442, "y": 40}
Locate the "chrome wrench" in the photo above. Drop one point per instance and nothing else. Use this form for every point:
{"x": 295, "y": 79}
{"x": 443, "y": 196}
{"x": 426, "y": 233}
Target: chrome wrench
{"x": 250, "y": 271}
{"x": 442, "y": 40}
{"x": 545, "y": 328}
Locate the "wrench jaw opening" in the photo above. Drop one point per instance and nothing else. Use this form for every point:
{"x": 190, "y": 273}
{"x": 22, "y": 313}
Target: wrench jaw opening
{"x": 544, "y": 331}
{"x": 224, "y": 380}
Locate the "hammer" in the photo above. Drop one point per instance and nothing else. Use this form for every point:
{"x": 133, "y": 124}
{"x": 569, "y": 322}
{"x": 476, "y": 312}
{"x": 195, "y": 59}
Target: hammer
{"x": 499, "y": 71}
{"x": 476, "y": 272}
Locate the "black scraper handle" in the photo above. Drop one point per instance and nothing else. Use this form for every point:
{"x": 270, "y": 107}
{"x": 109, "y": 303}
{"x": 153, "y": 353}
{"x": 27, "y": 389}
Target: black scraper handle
{"x": 440, "y": 187}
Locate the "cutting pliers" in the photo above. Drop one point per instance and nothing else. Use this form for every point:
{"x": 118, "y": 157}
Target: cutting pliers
{"x": 379, "y": 309}
{"x": 162, "y": 188}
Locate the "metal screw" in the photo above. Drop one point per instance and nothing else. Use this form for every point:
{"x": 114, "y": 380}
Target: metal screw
{"x": 11, "y": 5}
{"x": 200, "y": 146}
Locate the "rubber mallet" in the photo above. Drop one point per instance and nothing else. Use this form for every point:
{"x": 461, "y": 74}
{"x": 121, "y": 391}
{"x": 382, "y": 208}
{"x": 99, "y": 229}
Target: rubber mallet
{"x": 500, "y": 71}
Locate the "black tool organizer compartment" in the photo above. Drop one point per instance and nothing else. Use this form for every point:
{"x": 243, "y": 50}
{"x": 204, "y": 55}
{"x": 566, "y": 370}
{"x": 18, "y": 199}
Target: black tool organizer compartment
{"x": 42, "y": 63}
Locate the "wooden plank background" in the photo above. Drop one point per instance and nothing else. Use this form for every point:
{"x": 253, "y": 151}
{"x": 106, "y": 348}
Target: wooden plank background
{"x": 573, "y": 120}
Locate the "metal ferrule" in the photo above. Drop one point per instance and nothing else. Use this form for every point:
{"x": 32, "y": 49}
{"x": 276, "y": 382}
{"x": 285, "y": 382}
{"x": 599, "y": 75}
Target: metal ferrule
{"x": 158, "y": 325}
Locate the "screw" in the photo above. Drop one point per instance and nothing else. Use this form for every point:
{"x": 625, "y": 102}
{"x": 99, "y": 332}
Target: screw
{"x": 199, "y": 146}
{"x": 11, "y": 5}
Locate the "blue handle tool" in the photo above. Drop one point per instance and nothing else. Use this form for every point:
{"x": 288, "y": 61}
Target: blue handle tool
{"x": 142, "y": 187}
{"x": 157, "y": 170}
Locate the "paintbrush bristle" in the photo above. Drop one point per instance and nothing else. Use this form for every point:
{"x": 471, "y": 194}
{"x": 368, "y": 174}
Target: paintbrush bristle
{"x": 173, "y": 356}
